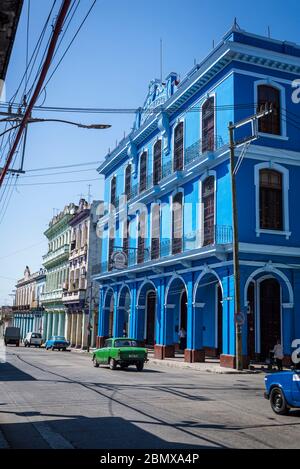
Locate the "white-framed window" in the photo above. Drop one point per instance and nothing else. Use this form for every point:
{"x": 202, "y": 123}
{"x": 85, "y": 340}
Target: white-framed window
{"x": 271, "y": 199}
{"x": 270, "y": 93}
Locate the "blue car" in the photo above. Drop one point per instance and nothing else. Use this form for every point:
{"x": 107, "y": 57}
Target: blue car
{"x": 283, "y": 390}
{"x": 58, "y": 342}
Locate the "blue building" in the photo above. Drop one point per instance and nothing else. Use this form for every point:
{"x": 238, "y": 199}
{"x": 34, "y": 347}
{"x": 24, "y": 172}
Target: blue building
{"x": 167, "y": 225}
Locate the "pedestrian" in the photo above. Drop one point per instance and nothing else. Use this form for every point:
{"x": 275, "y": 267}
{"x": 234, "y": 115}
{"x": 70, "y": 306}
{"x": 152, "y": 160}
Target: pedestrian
{"x": 278, "y": 354}
{"x": 182, "y": 338}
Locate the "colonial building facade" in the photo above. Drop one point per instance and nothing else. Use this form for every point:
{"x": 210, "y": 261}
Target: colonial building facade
{"x": 166, "y": 258}
{"x": 56, "y": 261}
{"x": 27, "y": 309}
{"x": 78, "y": 293}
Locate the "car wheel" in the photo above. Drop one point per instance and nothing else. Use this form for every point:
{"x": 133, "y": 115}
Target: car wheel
{"x": 278, "y": 402}
{"x": 112, "y": 364}
{"x": 140, "y": 366}
{"x": 95, "y": 363}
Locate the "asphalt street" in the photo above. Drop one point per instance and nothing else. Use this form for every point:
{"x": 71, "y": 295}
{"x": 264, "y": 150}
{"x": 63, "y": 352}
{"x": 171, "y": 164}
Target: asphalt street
{"x": 51, "y": 399}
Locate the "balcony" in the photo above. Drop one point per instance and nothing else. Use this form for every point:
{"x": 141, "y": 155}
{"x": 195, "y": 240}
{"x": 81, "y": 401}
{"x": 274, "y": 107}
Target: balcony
{"x": 78, "y": 252}
{"x": 73, "y": 296}
{"x": 54, "y": 257}
{"x": 219, "y": 235}
{"x": 54, "y": 295}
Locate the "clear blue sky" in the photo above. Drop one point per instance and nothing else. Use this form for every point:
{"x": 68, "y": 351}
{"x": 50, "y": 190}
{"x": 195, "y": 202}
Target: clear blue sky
{"x": 110, "y": 65}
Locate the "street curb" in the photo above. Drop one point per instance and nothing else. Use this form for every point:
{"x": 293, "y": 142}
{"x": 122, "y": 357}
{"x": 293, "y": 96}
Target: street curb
{"x": 200, "y": 367}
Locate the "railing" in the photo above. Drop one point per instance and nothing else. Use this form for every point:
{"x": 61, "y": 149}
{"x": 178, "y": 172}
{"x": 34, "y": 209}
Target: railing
{"x": 55, "y": 254}
{"x": 218, "y": 235}
{"x": 52, "y": 295}
{"x": 193, "y": 152}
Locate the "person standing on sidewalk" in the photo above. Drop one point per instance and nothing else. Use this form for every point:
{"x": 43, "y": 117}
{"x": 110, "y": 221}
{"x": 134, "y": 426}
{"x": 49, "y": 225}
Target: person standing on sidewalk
{"x": 278, "y": 354}
{"x": 182, "y": 338}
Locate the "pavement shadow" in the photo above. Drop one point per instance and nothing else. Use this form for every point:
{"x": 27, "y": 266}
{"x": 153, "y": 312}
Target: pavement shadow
{"x": 9, "y": 372}
{"x": 87, "y": 433}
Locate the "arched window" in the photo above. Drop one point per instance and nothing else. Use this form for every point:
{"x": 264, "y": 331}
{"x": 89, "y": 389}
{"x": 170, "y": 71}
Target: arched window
{"x": 178, "y": 147}
{"x": 269, "y": 95}
{"x": 177, "y": 224}
{"x": 157, "y": 162}
{"x": 141, "y": 238}
{"x": 270, "y": 200}
{"x": 208, "y": 125}
{"x": 155, "y": 232}
{"x": 113, "y": 189}
{"x": 128, "y": 181}
{"x": 208, "y": 204}
{"x": 143, "y": 172}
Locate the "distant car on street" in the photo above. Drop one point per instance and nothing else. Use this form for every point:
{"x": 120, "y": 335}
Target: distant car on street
{"x": 283, "y": 390}
{"x": 12, "y": 336}
{"x": 33, "y": 338}
{"x": 120, "y": 351}
{"x": 58, "y": 342}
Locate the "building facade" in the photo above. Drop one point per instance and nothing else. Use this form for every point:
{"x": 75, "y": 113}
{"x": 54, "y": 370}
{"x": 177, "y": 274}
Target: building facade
{"x": 78, "y": 294}
{"x": 27, "y": 309}
{"x": 166, "y": 261}
{"x": 56, "y": 261}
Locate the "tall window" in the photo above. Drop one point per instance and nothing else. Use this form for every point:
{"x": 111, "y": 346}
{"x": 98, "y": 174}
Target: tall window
{"x": 208, "y": 125}
{"x": 143, "y": 171}
{"x": 155, "y": 232}
{"x": 110, "y": 246}
{"x": 178, "y": 147}
{"x": 126, "y": 237}
{"x": 268, "y": 95}
{"x": 208, "y": 201}
{"x": 270, "y": 200}
{"x": 177, "y": 224}
{"x": 141, "y": 238}
{"x": 157, "y": 162}
{"x": 128, "y": 181}
{"x": 113, "y": 188}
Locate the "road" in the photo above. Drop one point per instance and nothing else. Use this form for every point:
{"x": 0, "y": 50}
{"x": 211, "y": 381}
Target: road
{"x": 58, "y": 400}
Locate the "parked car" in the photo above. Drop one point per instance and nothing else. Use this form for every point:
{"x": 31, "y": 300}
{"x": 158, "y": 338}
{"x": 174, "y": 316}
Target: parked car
{"x": 283, "y": 390}
{"x": 33, "y": 338}
{"x": 12, "y": 336}
{"x": 58, "y": 342}
{"x": 120, "y": 351}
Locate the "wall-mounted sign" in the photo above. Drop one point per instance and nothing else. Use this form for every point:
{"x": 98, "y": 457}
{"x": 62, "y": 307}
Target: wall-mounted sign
{"x": 119, "y": 260}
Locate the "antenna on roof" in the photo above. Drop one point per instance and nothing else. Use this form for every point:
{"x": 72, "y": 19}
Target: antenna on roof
{"x": 161, "y": 60}
{"x": 235, "y": 24}
{"x": 269, "y": 32}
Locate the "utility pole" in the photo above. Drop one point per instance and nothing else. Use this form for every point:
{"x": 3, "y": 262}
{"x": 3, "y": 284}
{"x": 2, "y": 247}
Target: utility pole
{"x": 90, "y": 316}
{"x": 238, "y": 317}
{"x": 50, "y": 52}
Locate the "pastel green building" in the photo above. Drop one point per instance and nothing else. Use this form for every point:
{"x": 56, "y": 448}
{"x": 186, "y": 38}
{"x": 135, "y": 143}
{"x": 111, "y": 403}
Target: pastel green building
{"x": 56, "y": 261}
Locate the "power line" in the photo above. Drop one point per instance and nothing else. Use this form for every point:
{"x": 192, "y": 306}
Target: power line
{"x": 58, "y": 173}
{"x": 63, "y": 166}
{"x": 56, "y": 182}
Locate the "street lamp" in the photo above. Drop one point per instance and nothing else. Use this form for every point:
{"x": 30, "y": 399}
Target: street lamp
{"x": 37, "y": 119}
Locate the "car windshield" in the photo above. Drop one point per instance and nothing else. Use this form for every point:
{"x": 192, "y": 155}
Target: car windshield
{"x": 36, "y": 336}
{"x": 126, "y": 343}
{"x": 58, "y": 337}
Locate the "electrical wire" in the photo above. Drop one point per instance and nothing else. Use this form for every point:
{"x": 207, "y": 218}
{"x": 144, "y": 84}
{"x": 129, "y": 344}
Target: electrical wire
{"x": 57, "y": 182}
{"x": 63, "y": 166}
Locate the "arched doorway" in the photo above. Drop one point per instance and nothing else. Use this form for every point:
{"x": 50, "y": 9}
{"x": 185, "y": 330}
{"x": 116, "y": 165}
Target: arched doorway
{"x": 176, "y": 311}
{"x": 270, "y": 315}
{"x": 111, "y": 318}
{"x": 208, "y": 297}
{"x": 146, "y": 319}
{"x": 108, "y": 312}
{"x": 124, "y": 311}
{"x": 263, "y": 317}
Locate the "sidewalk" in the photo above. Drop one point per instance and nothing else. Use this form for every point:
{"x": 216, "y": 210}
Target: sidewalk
{"x": 211, "y": 365}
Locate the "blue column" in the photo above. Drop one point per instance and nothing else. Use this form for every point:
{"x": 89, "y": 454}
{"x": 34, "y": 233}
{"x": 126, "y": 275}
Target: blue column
{"x": 101, "y": 315}
{"x": 133, "y": 320}
{"x": 190, "y": 315}
{"x": 116, "y": 324}
{"x": 49, "y": 325}
{"x": 160, "y": 326}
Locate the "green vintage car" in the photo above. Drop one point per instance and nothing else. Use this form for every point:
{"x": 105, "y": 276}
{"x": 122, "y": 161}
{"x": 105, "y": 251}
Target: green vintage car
{"x": 120, "y": 351}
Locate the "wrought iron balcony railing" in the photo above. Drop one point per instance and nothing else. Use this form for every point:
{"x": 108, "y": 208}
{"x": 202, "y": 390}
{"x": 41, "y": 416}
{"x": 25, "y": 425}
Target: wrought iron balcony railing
{"x": 217, "y": 235}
